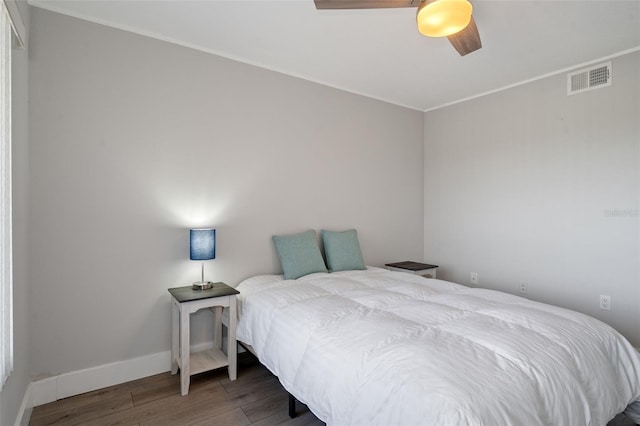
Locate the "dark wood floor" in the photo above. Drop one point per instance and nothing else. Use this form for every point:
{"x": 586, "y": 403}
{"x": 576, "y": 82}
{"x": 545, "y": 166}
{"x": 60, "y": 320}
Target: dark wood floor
{"x": 256, "y": 398}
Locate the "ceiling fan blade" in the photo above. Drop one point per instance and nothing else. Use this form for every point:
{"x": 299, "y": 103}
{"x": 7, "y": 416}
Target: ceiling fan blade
{"x": 467, "y": 40}
{"x": 364, "y": 4}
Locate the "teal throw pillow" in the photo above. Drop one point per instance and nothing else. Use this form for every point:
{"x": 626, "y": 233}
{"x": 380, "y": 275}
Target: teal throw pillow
{"x": 299, "y": 254}
{"x": 342, "y": 250}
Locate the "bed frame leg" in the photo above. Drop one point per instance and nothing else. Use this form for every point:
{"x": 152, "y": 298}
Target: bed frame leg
{"x": 292, "y": 406}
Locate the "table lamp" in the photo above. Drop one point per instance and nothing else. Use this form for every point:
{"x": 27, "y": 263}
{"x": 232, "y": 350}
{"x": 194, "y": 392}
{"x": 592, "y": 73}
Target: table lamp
{"x": 202, "y": 246}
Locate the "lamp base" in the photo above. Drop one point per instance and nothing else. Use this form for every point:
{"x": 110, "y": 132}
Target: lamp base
{"x": 202, "y": 285}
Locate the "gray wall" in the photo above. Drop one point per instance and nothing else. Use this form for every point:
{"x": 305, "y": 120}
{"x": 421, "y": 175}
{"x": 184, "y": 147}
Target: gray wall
{"x": 530, "y": 185}
{"x": 16, "y": 385}
{"x": 135, "y": 140}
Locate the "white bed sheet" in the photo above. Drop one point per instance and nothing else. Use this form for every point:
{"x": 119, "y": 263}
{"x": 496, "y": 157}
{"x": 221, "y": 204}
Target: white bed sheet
{"x": 389, "y": 348}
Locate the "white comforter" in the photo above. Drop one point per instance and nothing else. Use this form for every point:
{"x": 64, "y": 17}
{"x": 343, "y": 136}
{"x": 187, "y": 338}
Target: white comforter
{"x": 389, "y": 348}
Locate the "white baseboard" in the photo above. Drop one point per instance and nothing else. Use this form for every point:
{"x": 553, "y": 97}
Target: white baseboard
{"x": 24, "y": 413}
{"x": 77, "y": 382}
{"x": 90, "y": 379}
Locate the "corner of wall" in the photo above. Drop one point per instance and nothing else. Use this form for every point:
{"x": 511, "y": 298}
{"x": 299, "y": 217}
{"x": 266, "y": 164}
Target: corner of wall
{"x": 26, "y": 408}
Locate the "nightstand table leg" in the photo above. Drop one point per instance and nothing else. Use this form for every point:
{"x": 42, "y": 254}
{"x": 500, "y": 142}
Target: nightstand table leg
{"x": 184, "y": 352}
{"x": 232, "y": 345}
{"x": 217, "y": 325}
{"x": 175, "y": 336}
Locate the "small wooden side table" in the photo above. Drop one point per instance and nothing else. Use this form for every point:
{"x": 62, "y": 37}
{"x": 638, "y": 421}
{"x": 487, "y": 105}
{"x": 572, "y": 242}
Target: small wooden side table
{"x": 185, "y": 301}
{"x": 423, "y": 269}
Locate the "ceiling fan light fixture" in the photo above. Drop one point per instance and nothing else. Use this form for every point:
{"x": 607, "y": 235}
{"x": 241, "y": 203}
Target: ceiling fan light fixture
{"x": 442, "y": 18}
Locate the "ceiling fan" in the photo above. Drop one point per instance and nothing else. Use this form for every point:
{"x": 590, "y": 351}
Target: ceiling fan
{"x": 435, "y": 18}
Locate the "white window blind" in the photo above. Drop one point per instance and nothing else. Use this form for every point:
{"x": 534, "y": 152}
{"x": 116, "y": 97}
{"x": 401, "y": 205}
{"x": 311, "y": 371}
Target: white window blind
{"x": 6, "y": 273}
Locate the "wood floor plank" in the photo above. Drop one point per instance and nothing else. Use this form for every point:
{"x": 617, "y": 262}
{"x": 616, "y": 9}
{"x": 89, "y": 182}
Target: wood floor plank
{"x": 157, "y": 380}
{"x": 162, "y": 407}
{"x": 185, "y": 415}
{"x": 273, "y": 404}
{"x": 304, "y": 417}
{"x": 157, "y": 391}
{"x": 79, "y": 414}
{"x": 235, "y": 417}
{"x": 150, "y": 395}
{"x": 253, "y": 391}
{"x": 247, "y": 372}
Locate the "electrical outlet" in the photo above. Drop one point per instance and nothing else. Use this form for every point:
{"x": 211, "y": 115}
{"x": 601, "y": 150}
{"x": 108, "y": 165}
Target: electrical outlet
{"x": 474, "y": 278}
{"x": 605, "y": 302}
{"x": 523, "y": 289}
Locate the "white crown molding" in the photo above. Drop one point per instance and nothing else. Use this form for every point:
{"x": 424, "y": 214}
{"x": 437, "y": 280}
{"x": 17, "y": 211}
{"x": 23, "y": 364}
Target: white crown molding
{"x": 48, "y": 5}
{"x": 540, "y": 77}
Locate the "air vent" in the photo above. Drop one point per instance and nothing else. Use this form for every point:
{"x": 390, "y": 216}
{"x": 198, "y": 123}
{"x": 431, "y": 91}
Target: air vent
{"x": 590, "y": 78}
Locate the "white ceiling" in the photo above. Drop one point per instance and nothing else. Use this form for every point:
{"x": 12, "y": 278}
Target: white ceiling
{"x": 379, "y": 53}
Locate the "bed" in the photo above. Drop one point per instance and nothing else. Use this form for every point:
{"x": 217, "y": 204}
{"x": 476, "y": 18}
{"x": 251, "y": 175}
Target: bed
{"x": 367, "y": 347}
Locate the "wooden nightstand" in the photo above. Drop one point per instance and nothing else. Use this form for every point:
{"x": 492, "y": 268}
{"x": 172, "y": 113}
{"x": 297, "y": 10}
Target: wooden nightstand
{"x": 185, "y": 301}
{"x": 423, "y": 269}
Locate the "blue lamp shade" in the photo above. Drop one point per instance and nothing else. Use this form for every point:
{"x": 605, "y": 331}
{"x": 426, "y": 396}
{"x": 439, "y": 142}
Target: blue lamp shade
{"x": 202, "y": 244}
